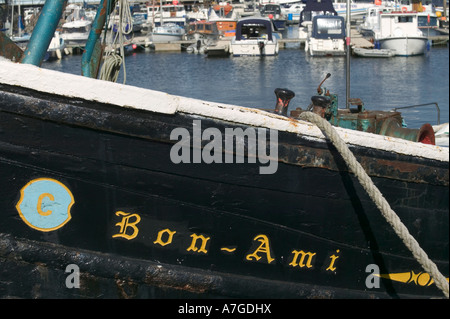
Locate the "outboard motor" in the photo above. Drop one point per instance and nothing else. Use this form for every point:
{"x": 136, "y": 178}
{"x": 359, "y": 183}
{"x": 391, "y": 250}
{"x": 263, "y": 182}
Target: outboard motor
{"x": 284, "y": 96}
{"x": 261, "y": 47}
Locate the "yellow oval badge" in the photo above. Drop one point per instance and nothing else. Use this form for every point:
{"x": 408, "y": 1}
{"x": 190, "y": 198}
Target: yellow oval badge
{"x": 45, "y": 204}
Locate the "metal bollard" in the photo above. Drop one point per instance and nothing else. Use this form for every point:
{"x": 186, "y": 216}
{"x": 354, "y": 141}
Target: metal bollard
{"x": 284, "y": 96}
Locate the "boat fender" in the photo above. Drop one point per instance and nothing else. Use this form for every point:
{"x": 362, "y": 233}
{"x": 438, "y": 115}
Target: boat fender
{"x": 284, "y": 96}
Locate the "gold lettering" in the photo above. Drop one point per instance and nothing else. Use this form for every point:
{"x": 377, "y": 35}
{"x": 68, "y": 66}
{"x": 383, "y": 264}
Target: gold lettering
{"x": 333, "y": 259}
{"x": 169, "y": 237}
{"x": 264, "y": 248}
{"x": 193, "y": 246}
{"x": 125, "y": 224}
{"x": 301, "y": 263}
{"x": 39, "y": 204}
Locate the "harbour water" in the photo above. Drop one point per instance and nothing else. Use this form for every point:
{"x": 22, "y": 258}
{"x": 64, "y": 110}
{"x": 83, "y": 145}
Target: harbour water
{"x": 381, "y": 83}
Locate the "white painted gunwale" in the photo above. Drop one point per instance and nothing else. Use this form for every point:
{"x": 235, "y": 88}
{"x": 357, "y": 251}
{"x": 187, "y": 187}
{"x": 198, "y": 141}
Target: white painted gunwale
{"x": 63, "y": 84}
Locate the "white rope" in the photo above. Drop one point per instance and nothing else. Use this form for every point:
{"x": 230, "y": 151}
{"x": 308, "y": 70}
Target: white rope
{"x": 392, "y": 218}
{"x": 112, "y": 62}
{"x": 111, "y": 67}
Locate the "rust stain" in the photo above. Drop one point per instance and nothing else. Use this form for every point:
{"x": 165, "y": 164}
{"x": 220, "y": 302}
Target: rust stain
{"x": 400, "y": 166}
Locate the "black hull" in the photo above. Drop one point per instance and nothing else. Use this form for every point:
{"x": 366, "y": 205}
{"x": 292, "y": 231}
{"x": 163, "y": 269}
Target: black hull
{"x": 150, "y": 228}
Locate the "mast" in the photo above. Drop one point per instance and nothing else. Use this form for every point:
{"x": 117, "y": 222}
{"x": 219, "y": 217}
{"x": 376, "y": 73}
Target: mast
{"x": 11, "y": 31}
{"x": 347, "y": 73}
{"x": 19, "y": 22}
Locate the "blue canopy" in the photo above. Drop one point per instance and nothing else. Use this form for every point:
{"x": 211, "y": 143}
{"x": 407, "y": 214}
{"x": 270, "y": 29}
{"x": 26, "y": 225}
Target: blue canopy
{"x": 328, "y": 27}
{"x": 322, "y": 6}
{"x": 266, "y": 23}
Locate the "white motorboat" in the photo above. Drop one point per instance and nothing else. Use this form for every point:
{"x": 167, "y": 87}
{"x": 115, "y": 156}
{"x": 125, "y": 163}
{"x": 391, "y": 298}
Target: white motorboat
{"x": 204, "y": 33}
{"x": 327, "y": 36}
{"x": 56, "y": 47}
{"x": 170, "y": 13}
{"x": 274, "y": 13}
{"x": 292, "y": 12}
{"x": 427, "y": 19}
{"x": 372, "y": 19}
{"x": 255, "y": 36}
{"x": 313, "y": 8}
{"x": 357, "y": 8}
{"x": 398, "y": 30}
{"x": 75, "y": 31}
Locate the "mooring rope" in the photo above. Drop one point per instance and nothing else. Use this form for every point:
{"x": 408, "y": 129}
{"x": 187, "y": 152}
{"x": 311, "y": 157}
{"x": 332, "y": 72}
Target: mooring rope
{"x": 112, "y": 61}
{"x": 392, "y": 218}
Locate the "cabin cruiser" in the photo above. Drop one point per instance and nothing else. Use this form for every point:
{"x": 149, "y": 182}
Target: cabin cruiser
{"x": 327, "y": 36}
{"x": 255, "y": 36}
{"x": 398, "y": 30}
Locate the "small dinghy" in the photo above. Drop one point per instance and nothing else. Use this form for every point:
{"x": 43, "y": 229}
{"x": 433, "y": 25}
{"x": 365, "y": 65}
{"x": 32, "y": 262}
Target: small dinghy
{"x": 374, "y": 53}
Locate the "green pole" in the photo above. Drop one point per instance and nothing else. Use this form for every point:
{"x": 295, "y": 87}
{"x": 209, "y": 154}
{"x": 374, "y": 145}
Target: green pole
{"x": 43, "y": 32}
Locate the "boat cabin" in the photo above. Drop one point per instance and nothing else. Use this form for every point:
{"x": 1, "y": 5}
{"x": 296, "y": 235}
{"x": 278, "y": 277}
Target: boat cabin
{"x": 254, "y": 29}
{"x": 398, "y": 24}
{"x": 328, "y": 27}
{"x": 202, "y": 27}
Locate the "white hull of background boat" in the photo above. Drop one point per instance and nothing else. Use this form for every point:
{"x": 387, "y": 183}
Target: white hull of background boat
{"x": 325, "y": 47}
{"x": 252, "y": 47}
{"x": 405, "y": 46}
{"x": 164, "y": 37}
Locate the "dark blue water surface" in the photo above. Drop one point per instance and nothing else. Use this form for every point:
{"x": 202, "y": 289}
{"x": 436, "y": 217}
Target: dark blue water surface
{"x": 382, "y": 83}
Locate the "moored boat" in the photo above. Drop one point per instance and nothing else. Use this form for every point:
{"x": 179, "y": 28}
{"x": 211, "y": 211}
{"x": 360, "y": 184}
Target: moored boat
{"x": 204, "y": 33}
{"x": 357, "y": 8}
{"x": 399, "y": 31}
{"x": 75, "y": 30}
{"x": 116, "y": 191}
{"x": 273, "y": 12}
{"x": 292, "y": 12}
{"x": 166, "y": 33}
{"x": 56, "y": 47}
{"x": 255, "y": 36}
{"x": 326, "y": 37}
{"x": 313, "y": 8}
{"x": 374, "y": 53}
{"x": 202, "y": 30}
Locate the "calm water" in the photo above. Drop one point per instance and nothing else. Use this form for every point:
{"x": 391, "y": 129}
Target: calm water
{"x": 250, "y": 81}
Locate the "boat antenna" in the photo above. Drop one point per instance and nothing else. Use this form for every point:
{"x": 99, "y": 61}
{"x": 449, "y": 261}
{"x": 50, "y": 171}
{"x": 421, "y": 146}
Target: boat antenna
{"x": 347, "y": 76}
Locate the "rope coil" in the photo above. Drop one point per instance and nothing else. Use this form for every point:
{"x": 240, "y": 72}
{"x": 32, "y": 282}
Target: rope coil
{"x": 112, "y": 61}
{"x": 392, "y": 218}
